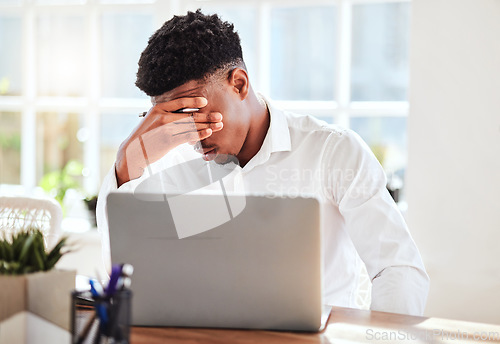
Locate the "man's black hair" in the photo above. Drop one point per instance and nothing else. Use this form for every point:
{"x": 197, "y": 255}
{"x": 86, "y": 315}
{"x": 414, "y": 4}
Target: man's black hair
{"x": 185, "y": 48}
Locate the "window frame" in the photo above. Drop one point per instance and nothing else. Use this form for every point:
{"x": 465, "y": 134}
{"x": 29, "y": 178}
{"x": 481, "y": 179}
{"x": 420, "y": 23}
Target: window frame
{"x": 92, "y": 105}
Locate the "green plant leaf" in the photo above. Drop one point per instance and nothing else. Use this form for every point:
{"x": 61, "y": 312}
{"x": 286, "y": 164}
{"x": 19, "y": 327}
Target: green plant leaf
{"x": 3, "y": 266}
{"x": 26, "y": 253}
{"x": 38, "y": 263}
{"x": 51, "y": 263}
{"x": 17, "y": 244}
{"x": 3, "y": 250}
{"x": 12, "y": 268}
{"x": 58, "y": 247}
{"x": 9, "y": 253}
{"x": 50, "y": 181}
{"x": 38, "y": 255}
{"x": 73, "y": 168}
{"x": 58, "y": 182}
{"x": 26, "y": 248}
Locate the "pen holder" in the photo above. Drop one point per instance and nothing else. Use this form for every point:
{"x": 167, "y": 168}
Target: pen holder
{"x": 101, "y": 319}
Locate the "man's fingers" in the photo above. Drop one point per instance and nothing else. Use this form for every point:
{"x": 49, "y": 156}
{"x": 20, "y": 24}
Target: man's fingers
{"x": 186, "y": 118}
{"x": 193, "y": 136}
{"x": 197, "y": 128}
{"x": 207, "y": 117}
{"x": 203, "y": 134}
{"x": 214, "y": 126}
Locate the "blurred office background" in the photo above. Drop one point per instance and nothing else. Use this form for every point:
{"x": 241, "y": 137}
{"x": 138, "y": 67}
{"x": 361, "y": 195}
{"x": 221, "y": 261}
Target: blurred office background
{"x": 68, "y": 99}
{"x": 67, "y": 72}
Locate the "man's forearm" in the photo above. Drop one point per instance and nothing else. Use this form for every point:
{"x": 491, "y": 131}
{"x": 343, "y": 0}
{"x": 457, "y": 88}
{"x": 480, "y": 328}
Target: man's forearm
{"x": 400, "y": 289}
{"x": 126, "y": 170}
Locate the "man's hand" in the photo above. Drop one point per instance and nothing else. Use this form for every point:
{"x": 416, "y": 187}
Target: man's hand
{"x": 161, "y": 131}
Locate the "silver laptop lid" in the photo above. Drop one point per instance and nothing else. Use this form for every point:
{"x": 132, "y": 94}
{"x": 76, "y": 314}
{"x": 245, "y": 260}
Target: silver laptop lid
{"x": 260, "y": 269}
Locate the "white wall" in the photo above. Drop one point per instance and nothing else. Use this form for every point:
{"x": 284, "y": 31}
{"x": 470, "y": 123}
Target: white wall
{"x": 453, "y": 188}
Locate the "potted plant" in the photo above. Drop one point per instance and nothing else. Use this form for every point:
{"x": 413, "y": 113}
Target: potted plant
{"x": 58, "y": 182}
{"x": 28, "y": 280}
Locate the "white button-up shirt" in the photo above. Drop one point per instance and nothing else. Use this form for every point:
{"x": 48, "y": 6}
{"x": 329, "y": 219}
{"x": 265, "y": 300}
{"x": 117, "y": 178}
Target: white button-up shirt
{"x": 302, "y": 155}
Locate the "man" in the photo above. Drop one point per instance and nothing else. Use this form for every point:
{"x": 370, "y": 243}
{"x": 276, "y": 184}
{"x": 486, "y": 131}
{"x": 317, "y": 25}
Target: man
{"x": 195, "y": 62}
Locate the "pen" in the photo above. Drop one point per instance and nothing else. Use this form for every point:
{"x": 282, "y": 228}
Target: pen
{"x": 116, "y": 272}
{"x": 124, "y": 280}
{"x": 127, "y": 270}
{"x": 99, "y": 306}
{"x": 184, "y": 110}
{"x": 95, "y": 289}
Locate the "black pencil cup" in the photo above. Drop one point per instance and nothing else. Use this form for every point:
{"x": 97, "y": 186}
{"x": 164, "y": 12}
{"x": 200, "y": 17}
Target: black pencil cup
{"x": 99, "y": 320}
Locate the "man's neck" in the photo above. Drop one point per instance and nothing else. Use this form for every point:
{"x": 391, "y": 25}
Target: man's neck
{"x": 259, "y": 125}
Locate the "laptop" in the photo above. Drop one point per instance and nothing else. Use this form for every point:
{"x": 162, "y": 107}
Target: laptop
{"x": 256, "y": 265}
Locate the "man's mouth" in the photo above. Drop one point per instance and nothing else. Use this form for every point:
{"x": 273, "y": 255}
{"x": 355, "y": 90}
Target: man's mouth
{"x": 203, "y": 150}
{"x": 209, "y": 153}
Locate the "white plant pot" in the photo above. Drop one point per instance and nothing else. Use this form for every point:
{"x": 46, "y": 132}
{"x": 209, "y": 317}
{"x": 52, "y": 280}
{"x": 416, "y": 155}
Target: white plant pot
{"x": 46, "y": 294}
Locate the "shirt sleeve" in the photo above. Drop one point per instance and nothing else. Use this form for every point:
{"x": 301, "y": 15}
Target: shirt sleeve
{"x": 109, "y": 185}
{"x": 376, "y": 227}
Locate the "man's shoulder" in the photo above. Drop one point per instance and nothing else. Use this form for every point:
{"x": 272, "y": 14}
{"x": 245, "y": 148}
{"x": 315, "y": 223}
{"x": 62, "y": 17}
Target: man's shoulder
{"x": 327, "y": 137}
{"x": 307, "y": 125}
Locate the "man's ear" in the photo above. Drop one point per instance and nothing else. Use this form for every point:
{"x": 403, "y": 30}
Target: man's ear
{"x": 238, "y": 80}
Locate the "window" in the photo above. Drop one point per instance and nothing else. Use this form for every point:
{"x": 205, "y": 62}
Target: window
{"x": 344, "y": 61}
{"x": 123, "y": 37}
{"x": 10, "y": 68}
{"x": 114, "y": 128}
{"x": 58, "y": 140}
{"x": 10, "y": 147}
{"x": 303, "y": 44}
{"x": 67, "y": 82}
{"x": 380, "y": 52}
{"x": 60, "y": 55}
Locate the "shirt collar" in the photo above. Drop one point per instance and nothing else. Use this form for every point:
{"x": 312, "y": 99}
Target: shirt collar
{"x": 278, "y": 133}
{"x": 277, "y": 138}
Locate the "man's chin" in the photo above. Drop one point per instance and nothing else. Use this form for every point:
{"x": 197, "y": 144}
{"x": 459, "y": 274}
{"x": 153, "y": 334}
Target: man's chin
{"x": 215, "y": 155}
{"x": 209, "y": 156}
{"x": 221, "y": 159}
{"x": 224, "y": 159}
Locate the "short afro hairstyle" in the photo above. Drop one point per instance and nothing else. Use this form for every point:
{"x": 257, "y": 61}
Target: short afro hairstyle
{"x": 189, "y": 47}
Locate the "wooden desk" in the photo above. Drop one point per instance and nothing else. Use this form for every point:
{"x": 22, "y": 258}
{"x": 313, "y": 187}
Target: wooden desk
{"x": 345, "y": 326}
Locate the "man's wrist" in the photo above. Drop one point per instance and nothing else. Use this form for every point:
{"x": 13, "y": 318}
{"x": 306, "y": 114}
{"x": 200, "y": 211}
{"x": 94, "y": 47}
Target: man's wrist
{"x": 121, "y": 178}
{"x": 125, "y": 173}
